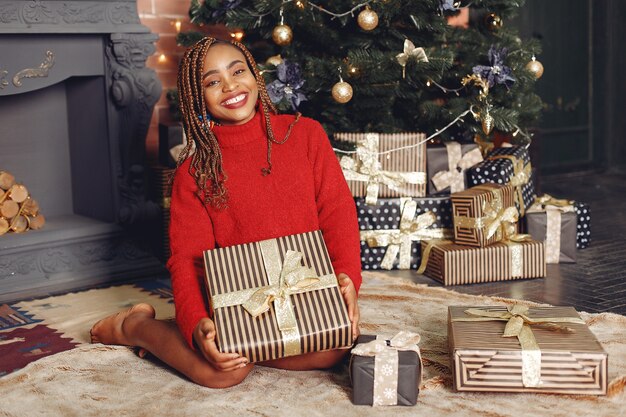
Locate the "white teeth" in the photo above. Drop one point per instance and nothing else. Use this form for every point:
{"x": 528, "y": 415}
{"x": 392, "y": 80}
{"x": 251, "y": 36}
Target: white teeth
{"x": 235, "y": 99}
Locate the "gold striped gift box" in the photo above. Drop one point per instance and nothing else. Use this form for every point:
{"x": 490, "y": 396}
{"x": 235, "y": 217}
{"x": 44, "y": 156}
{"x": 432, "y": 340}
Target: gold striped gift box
{"x": 306, "y": 312}
{"x": 454, "y": 264}
{"x": 568, "y": 359}
{"x": 471, "y": 204}
{"x": 396, "y": 153}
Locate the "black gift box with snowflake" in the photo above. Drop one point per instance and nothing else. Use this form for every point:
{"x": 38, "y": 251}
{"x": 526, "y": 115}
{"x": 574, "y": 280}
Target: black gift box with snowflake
{"x": 392, "y": 229}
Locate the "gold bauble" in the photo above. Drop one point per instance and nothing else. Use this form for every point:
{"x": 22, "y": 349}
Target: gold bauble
{"x": 274, "y": 60}
{"x": 487, "y": 122}
{"x": 367, "y": 19}
{"x": 493, "y": 22}
{"x": 282, "y": 35}
{"x": 535, "y": 67}
{"x": 342, "y": 92}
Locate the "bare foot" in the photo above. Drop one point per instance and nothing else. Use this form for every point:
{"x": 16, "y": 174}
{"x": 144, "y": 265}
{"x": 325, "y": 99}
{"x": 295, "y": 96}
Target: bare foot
{"x": 110, "y": 330}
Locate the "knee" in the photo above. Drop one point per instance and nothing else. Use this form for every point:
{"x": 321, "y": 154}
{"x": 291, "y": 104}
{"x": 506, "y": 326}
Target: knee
{"x": 221, "y": 379}
{"x": 330, "y": 358}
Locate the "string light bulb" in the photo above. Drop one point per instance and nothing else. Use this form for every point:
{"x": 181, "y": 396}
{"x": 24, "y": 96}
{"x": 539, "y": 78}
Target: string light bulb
{"x": 237, "y": 35}
{"x": 162, "y": 58}
{"x": 301, "y": 4}
{"x": 178, "y": 25}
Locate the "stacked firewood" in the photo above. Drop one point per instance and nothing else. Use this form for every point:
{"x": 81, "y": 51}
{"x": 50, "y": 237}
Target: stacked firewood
{"x": 18, "y": 211}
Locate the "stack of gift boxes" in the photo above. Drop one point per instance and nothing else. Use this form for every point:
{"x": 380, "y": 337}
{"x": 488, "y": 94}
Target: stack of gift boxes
{"x": 454, "y": 215}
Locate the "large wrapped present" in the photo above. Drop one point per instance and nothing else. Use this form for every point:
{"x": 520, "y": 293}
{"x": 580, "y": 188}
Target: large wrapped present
{"x": 386, "y": 372}
{"x": 484, "y": 214}
{"x": 510, "y": 166}
{"x": 453, "y": 264}
{"x": 385, "y": 165}
{"x": 392, "y": 228}
{"x": 583, "y": 224}
{"x": 521, "y": 349}
{"x": 276, "y": 298}
{"x": 554, "y": 222}
{"x": 447, "y": 165}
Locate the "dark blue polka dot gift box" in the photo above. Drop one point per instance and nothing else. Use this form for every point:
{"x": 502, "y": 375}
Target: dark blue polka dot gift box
{"x": 583, "y": 224}
{"x": 504, "y": 166}
{"x": 392, "y": 229}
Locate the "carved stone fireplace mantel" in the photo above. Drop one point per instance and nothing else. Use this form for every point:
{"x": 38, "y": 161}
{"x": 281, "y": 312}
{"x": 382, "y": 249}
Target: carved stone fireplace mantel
{"x": 75, "y": 105}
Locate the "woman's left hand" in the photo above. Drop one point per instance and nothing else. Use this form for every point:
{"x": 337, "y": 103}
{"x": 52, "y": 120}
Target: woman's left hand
{"x": 349, "y": 296}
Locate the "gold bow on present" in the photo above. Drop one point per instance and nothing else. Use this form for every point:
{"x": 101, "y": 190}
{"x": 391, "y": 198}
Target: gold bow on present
{"x": 285, "y": 279}
{"x": 553, "y": 208}
{"x": 386, "y": 363}
{"x": 399, "y": 240}
{"x": 521, "y": 176}
{"x": 367, "y": 168}
{"x": 410, "y": 51}
{"x": 457, "y": 164}
{"x": 546, "y": 201}
{"x": 518, "y": 325}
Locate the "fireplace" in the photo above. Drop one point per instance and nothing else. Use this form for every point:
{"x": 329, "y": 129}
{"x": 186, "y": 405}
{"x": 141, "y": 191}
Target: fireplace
{"x": 75, "y": 106}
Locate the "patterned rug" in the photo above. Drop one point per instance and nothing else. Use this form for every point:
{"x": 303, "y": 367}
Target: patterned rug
{"x": 99, "y": 380}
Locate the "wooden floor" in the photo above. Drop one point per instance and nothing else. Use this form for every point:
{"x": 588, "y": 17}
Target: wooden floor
{"x": 597, "y": 282}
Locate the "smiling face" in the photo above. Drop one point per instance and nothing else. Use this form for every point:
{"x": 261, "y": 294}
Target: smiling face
{"x": 230, "y": 89}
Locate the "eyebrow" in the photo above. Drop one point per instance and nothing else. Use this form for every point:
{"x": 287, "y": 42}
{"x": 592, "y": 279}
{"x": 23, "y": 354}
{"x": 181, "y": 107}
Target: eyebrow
{"x": 210, "y": 72}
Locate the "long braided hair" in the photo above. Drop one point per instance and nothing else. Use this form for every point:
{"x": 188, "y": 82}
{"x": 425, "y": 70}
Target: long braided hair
{"x": 206, "y": 160}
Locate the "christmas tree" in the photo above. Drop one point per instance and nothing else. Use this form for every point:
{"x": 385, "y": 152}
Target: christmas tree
{"x": 390, "y": 65}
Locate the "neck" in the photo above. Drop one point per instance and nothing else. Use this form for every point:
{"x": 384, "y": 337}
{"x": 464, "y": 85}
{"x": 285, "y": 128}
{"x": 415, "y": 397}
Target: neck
{"x": 234, "y": 135}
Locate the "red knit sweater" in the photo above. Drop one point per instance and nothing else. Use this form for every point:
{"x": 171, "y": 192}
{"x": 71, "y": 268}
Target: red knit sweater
{"x": 306, "y": 191}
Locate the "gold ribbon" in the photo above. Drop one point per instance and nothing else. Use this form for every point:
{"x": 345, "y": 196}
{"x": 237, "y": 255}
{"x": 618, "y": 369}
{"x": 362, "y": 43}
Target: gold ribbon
{"x": 553, "y": 208}
{"x": 398, "y": 241}
{"x": 521, "y": 176}
{"x": 518, "y": 325}
{"x": 410, "y": 51}
{"x": 426, "y": 253}
{"x": 386, "y": 363}
{"x": 285, "y": 279}
{"x": 457, "y": 165}
{"x": 367, "y": 168}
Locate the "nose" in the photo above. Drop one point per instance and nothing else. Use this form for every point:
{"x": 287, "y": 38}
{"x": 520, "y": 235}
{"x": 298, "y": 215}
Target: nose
{"x": 229, "y": 84}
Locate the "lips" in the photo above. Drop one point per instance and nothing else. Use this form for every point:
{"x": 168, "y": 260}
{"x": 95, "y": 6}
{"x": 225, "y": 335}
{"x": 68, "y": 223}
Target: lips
{"x": 235, "y": 101}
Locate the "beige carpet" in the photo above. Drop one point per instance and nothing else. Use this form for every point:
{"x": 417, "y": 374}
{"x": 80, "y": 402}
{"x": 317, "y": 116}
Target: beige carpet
{"x": 100, "y": 380}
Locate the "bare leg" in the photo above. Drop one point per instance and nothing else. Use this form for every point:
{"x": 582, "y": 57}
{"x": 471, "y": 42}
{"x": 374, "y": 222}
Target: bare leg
{"x": 309, "y": 361}
{"x": 138, "y": 327}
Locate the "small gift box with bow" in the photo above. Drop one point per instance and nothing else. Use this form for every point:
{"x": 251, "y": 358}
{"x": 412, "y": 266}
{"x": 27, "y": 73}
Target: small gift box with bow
{"x": 504, "y": 166}
{"x": 447, "y": 165}
{"x": 386, "y": 371}
{"x": 392, "y": 228}
{"x": 522, "y": 349}
{"x": 553, "y": 221}
{"x": 453, "y": 264}
{"x": 385, "y": 165}
{"x": 484, "y": 214}
{"x": 266, "y": 296}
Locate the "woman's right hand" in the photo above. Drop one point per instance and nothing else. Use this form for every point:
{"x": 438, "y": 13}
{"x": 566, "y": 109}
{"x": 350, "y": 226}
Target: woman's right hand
{"x": 204, "y": 336}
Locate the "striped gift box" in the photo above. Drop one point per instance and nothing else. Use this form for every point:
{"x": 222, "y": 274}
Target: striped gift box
{"x": 453, "y": 264}
{"x": 470, "y": 203}
{"x": 411, "y": 159}
{"x": 571, "y": 362}
{"x": 238, "y": 275}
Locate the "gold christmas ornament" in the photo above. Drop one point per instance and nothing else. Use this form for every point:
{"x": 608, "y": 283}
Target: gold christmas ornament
{"x": 535, "y": 67}
{"x": 274, "y": 60}
{"x": 342, "y": 92}
{"x": 367, "y": 19}
{"x": 493, "y": 22}
{"x": 487, "y": 122}
{"x": 282, "y": 35}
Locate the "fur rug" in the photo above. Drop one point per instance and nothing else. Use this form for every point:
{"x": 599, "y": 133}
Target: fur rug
{"x": 108, "y": 380}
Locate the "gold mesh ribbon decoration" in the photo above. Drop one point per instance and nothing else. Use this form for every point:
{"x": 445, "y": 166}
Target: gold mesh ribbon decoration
{"x": 553, "y": 208}
{"x": 398, "y": 241}
{"x": 286, "y": 278}
{"x": 458, "y": 163}
{"x": 366, "y": 167}
{"x": 386, "y": 363}
{"x": 521, "y": 176}
{"x": 518, "y": 325}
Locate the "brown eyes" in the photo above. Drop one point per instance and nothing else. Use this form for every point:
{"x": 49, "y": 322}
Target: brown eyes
{"x": 215, "y": 82}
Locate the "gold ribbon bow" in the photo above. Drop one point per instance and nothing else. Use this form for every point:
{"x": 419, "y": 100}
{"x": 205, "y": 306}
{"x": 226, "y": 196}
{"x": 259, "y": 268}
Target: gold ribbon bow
{"x": 457, "y": 165}
{"x": 521, "y": 176}
{"x": 553, "y": 208}
{"x": 410, "y": 51}
{"x": 285, "y": 279}
{"x": 399, "y": 240}
{"x": 367, "y": 168}
{"x": 518, "y": 325}
{"x": 386, "y": 363}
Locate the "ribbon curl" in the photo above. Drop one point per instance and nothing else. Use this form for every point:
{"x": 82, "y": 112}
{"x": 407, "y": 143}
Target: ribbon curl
{"x": 457, "y": 165}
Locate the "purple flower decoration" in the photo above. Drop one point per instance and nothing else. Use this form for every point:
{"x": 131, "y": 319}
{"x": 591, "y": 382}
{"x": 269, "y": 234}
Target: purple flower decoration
{"x": 449, "y": 5}
{"x": 497, "y": 73}
{"x": 225, "y": 6}
{"x": 288, "y": 85}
